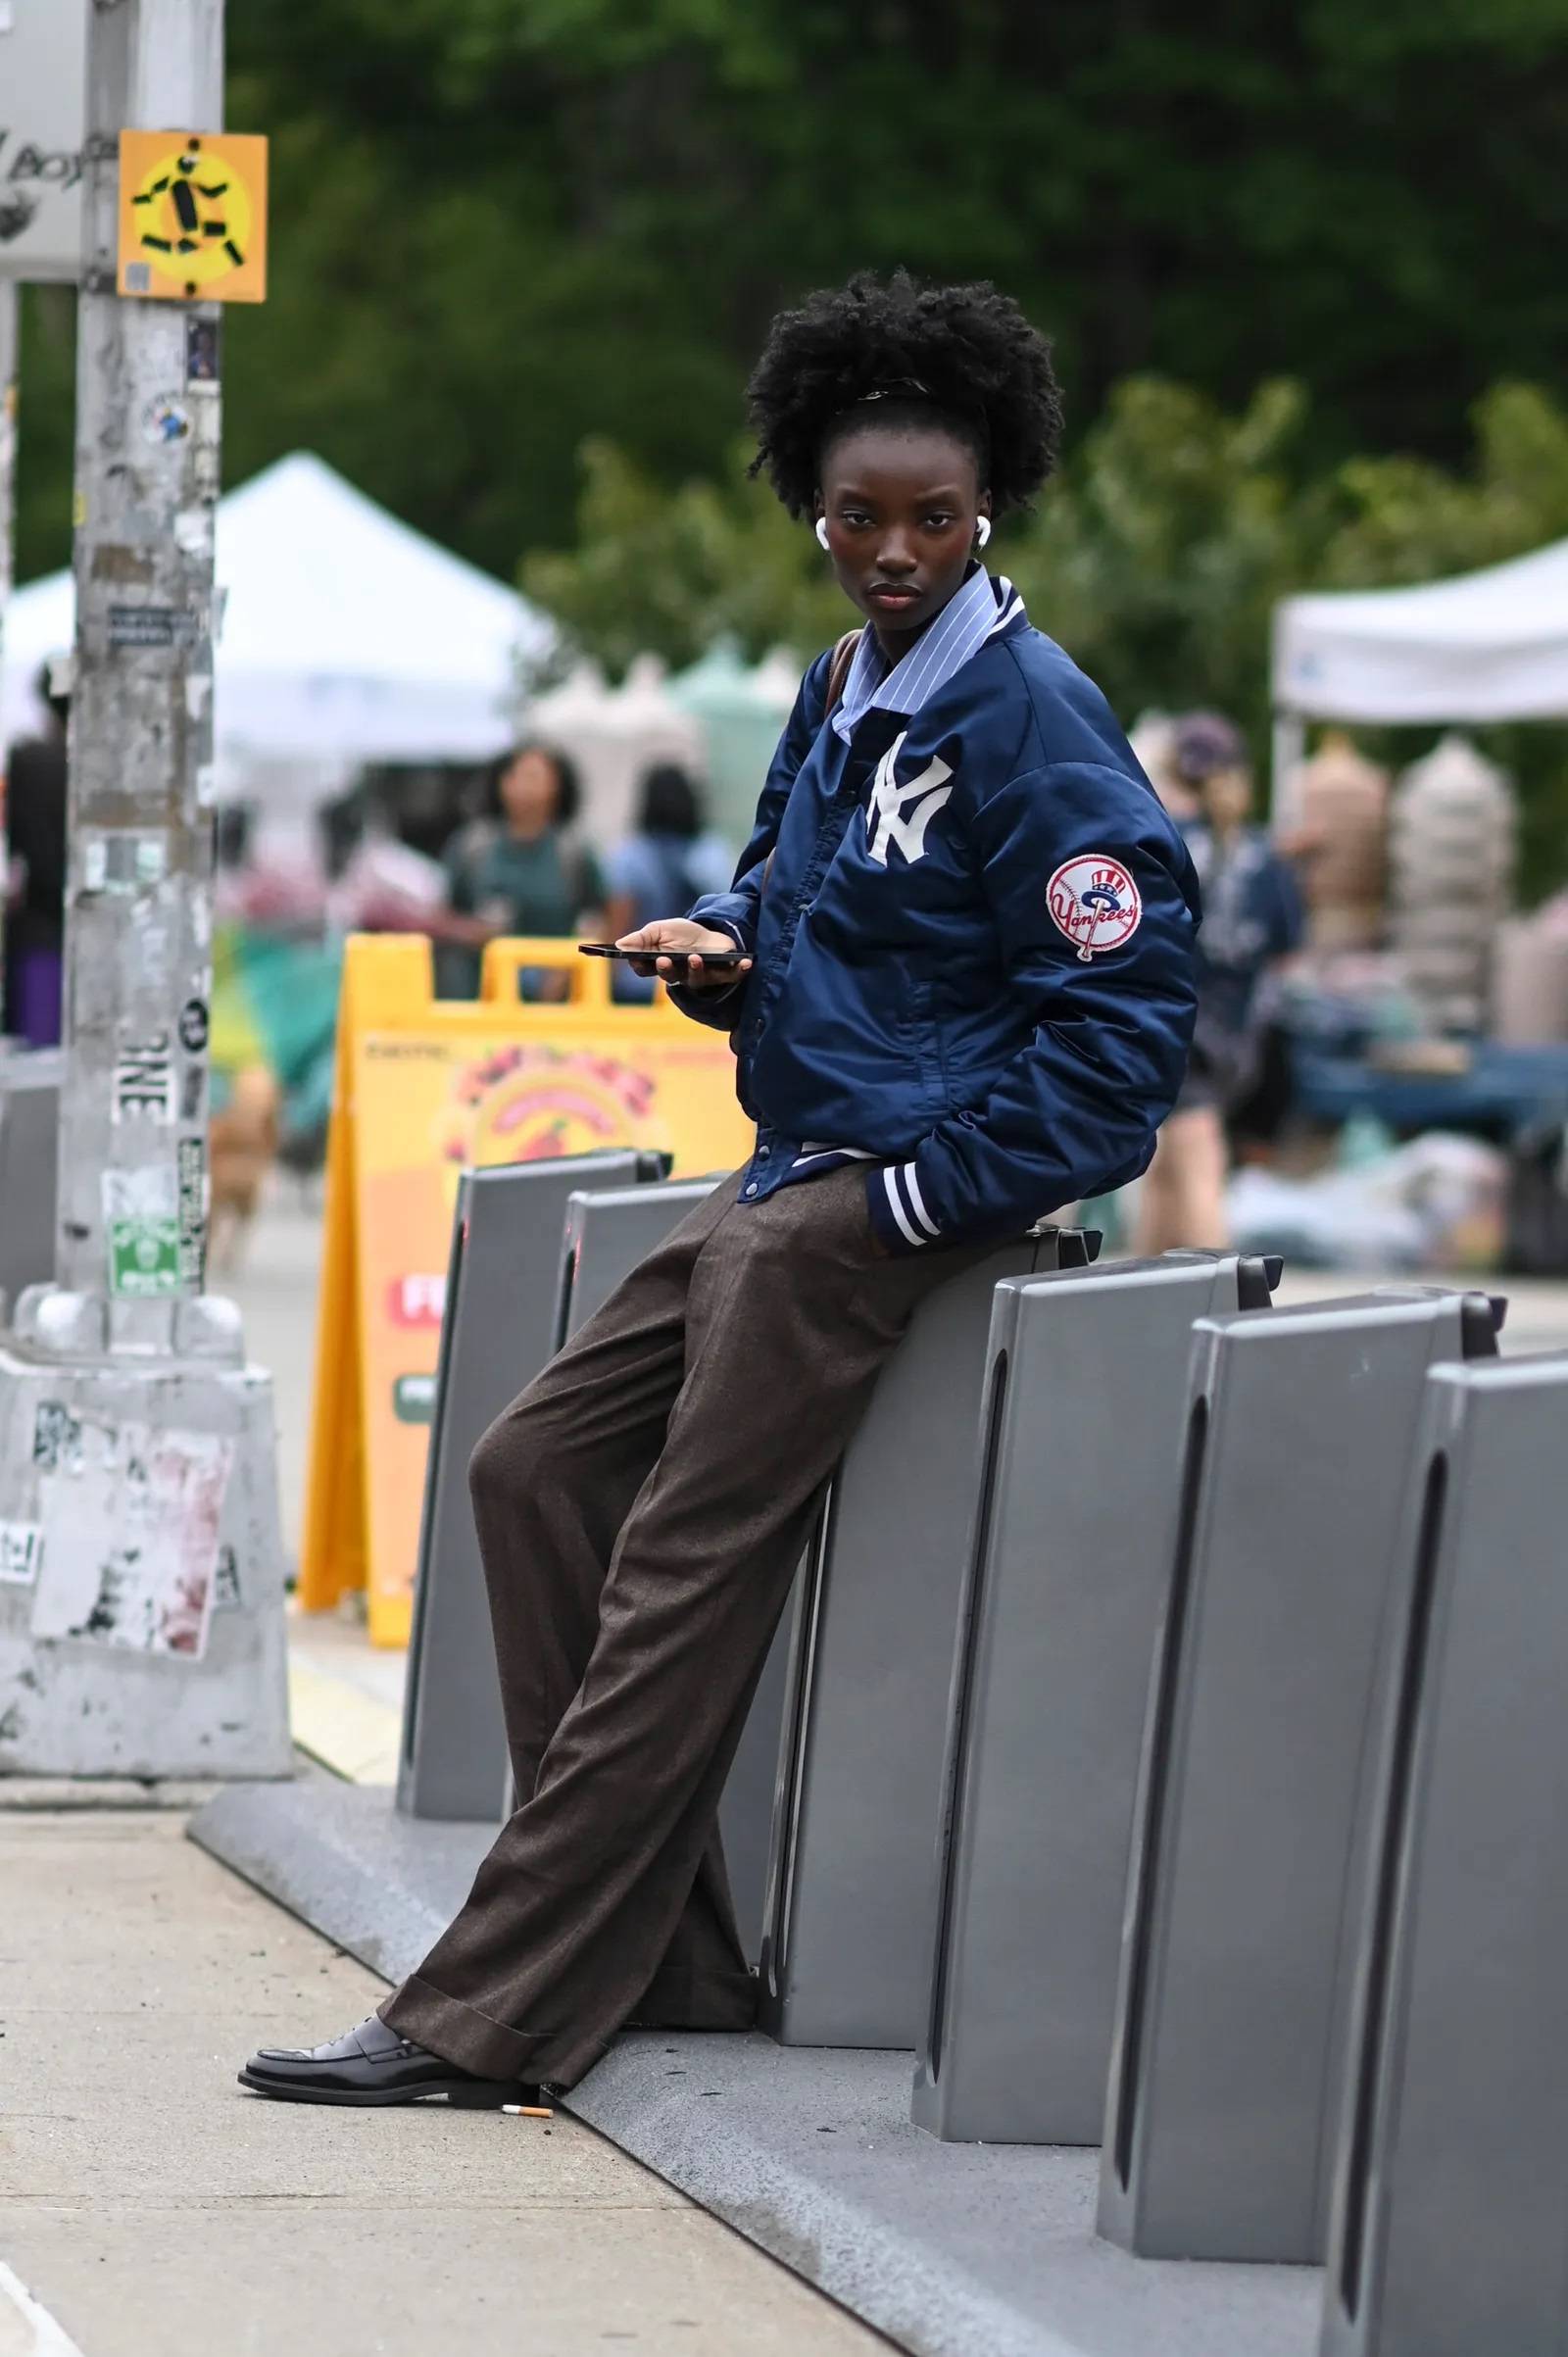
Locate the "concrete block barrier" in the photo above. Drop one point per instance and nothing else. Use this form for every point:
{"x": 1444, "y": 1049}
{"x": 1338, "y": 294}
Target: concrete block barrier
{"x": 846, "y": 1951}
{"x": 1449, "y": 2233}
{"x": 502, "y": 1322}
{"x": 29, "y": 1110}
{"x": 608, "y": 1232}
{"x": 1074, "y": 1547}
{"x": 1232, "y": 2000}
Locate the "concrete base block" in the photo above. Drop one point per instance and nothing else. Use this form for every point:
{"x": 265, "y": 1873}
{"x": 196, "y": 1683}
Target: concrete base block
{"x": 141, "y": 1569}
{"x": 950, "y": 2249}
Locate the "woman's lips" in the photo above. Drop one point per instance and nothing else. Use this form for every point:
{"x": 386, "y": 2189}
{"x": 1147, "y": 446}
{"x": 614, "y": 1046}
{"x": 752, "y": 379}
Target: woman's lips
{"x": 897, "y": 597}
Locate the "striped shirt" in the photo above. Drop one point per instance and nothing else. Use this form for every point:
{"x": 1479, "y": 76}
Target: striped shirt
{"x": 979, "y": 609}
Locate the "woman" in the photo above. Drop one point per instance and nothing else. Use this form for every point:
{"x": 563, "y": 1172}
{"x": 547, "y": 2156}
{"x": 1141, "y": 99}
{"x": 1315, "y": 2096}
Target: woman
{"x": 666, "y": 863}
{"x": 1252, "y": 918}
{"x": 964, "y": 994}
{"x": 514, "y": 872}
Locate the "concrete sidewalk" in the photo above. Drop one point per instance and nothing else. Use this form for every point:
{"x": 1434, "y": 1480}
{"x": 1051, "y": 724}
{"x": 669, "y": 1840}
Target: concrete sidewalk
{"x": 154, "y": 2209}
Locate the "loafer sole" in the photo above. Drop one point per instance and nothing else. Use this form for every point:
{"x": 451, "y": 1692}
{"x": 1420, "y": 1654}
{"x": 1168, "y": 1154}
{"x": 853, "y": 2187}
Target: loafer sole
{"x": 464, "y": 2095}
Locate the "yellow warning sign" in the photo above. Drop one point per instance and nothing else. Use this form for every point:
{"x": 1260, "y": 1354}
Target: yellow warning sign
{"x": 425, "y": 1088}
{"x": 193, "y": 216}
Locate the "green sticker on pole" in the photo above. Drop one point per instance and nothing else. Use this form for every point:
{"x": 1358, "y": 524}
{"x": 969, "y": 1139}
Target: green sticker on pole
{"x": 141, "y": 1227}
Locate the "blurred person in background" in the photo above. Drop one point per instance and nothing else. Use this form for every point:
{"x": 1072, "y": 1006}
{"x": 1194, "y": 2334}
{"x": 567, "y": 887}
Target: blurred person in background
{"x": 35, "y": 901}
{"x": 1153, "y": 737}
{"x": 1252, "y": 918}
{"x": 516, "y": 871}
{"x": 668, "y": 862}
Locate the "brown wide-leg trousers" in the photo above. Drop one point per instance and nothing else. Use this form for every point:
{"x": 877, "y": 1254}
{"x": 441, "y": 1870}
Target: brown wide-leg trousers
{"x": 641, "y": 1511}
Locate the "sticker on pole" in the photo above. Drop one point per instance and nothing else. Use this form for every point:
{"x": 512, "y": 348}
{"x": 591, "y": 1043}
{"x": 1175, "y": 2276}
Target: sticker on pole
{"x": 193, "y": 216}
{"x": 141, "y": 1222}
{"x": 144, "y": 1079}
{"x": 1095, "y": 902}
{"x": 20, "y": 1551}
{"x": 130, "y": 1547}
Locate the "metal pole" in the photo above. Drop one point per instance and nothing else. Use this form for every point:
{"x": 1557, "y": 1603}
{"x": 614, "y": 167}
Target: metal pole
{"x": 131, "y": 1231}
{"x": 141, "y": 1624}
{"x": 10, "y": 370}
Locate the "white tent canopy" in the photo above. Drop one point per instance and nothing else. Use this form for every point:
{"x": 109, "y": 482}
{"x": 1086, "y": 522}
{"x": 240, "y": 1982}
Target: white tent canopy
{"x": 1485, "y": 646}
{"x": 346, "y": 637}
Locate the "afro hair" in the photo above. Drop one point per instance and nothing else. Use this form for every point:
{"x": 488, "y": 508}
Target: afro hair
{"x": 965, "y": 355}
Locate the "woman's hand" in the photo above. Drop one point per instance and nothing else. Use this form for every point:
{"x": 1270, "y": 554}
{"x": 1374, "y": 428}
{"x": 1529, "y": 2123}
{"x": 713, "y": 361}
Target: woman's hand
{"x": 675, "y": 949}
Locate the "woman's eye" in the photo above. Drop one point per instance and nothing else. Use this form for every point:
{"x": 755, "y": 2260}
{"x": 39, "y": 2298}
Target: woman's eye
{"x": 855, "y": 518}
{"x": 939, "y": 522}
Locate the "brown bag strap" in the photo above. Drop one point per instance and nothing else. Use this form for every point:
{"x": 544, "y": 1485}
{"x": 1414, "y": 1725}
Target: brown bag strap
{"x": 838, "y": 670}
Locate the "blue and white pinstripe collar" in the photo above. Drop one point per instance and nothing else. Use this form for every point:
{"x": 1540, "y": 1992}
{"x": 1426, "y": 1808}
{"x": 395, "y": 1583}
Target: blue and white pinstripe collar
{"x": 976, "y": 613}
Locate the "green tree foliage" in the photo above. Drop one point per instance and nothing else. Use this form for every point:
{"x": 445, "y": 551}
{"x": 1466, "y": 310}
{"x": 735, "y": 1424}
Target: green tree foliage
{"x": 505, "y": 231}
{"x": 502, "y": 225}
{"x": 1158, "y": 556}
{"x": 505, "y": 225}
{"x": 669, "y": 571}
{"x": 46, "y": 429}
{"x": 1401, "y": 520}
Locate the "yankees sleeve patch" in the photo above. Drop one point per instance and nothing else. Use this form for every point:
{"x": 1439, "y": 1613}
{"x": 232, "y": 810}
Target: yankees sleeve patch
{"x": 1095, "y": 902}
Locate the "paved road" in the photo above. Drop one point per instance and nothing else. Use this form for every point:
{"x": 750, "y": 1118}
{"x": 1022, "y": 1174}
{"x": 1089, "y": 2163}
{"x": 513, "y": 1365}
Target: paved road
{"x": 156, "y": 2210}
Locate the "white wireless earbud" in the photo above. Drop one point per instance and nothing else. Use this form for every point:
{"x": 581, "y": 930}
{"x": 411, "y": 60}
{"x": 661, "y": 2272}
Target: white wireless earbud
{"x": 821, "y": 532}
{"x": 982, "y": 531}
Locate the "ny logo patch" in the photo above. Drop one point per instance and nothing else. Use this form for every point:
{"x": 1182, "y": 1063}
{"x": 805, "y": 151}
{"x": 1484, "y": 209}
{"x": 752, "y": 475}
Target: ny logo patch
{"x": 900, "y": 815}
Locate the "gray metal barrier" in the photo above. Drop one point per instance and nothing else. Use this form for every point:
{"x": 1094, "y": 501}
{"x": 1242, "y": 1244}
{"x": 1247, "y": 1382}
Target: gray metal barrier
{"x": 608, "y": 1232}
{"x": 29, "y": 1110}
{"x": 1450, "y": 2235}
{"x": 501, "y": 1321}
{"x": 847, "y": 1947}
{"x": 1232, "y": 2009}
{"x": 1088, "y": 1395}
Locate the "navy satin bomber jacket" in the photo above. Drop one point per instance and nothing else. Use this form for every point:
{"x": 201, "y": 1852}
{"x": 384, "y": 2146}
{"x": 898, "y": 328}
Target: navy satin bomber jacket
{"x": 974, "y": 952}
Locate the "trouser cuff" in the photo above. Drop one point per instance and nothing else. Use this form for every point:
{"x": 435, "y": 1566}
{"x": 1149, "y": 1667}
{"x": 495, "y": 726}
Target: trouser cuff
{"x": 470, "y": 2039}
{"x": 473, "y": 2041}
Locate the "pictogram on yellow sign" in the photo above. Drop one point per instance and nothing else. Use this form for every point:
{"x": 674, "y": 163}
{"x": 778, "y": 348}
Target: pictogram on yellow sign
{"x": 193, "y": 216}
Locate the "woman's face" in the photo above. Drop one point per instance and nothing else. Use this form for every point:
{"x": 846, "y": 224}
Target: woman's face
{"x": 529, "y": 792}
{"x": 900, "y": 504}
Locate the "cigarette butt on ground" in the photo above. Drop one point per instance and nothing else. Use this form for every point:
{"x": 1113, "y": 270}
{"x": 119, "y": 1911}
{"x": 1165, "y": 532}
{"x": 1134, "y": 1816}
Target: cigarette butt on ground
{"x": 529, "y": 2111}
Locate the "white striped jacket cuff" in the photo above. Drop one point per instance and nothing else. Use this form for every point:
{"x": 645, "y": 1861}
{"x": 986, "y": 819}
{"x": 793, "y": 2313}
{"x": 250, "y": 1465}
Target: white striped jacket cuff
{"x": 898, "y": 1209}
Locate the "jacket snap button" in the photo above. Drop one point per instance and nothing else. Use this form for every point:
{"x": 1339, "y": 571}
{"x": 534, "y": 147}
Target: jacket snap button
{"x": 752, "y": 1188}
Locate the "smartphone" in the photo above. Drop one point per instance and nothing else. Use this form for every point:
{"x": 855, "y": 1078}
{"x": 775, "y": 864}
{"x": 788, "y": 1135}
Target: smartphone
{"x": 608, "y": 949}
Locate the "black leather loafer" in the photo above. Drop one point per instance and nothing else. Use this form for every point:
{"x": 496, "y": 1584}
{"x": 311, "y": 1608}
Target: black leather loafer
{"x": 372, "y": 2064}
